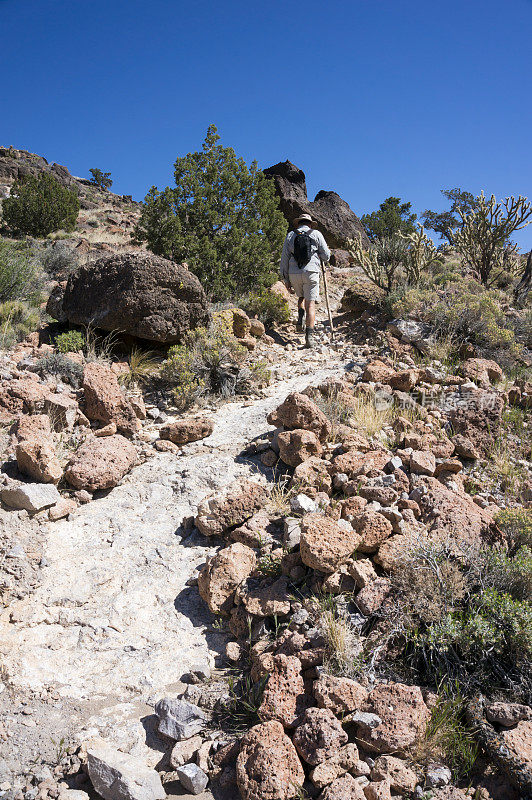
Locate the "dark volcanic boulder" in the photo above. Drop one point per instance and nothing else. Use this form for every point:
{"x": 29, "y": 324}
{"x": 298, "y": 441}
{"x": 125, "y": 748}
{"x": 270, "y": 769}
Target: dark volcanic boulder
{"x": 334, "y": 218}
{"x": 135, "y": 293}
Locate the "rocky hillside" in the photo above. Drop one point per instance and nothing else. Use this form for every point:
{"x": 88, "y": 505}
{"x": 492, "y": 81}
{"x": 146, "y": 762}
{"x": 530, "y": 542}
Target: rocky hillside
{"x": 231, "y": 567}
{"x": 106, "y": 220}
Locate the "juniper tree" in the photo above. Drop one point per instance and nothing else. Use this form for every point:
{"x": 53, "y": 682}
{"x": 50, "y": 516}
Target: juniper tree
{"x": 392, "y": 218}
{"x": 447, "y": 222}
{"x": 39, "y": 205}
{"x": 101, "y": 179}
{"x": 222, "y": 218}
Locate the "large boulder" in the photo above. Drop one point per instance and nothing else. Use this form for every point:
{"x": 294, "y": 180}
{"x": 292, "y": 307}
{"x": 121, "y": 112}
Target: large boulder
{"x": 334, "y": 218}
{"x": 404, "y": 718}
{"x": 135, "y": 293}
{"x": 267, "y": 766}
{"x": 100, "y": 463}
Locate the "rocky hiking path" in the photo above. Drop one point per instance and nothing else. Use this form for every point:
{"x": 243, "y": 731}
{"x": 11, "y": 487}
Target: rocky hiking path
{"x": 113, "y": 625}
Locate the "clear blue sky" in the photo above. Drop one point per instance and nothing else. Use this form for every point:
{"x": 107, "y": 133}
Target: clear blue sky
{"x": 370, "y": 97}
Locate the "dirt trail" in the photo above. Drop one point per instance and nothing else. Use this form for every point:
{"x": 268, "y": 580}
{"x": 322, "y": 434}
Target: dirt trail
{"x": 113, "y": 625}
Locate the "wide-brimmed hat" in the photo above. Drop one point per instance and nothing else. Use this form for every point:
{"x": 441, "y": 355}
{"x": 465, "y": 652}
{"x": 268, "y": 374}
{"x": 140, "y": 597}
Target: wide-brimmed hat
{"x": 304, "y": 218}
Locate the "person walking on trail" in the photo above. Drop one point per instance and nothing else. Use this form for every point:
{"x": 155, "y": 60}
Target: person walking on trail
{"x": 303, "y": 251}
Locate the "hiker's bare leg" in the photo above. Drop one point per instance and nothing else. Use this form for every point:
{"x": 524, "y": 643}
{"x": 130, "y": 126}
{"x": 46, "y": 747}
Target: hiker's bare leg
{"x": 310, "y": 308}
{"x": 300, "y": 313}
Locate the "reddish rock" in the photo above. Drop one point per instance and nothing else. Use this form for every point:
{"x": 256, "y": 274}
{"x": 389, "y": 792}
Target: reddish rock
{"x": 324, "y": 545}
{"x": 241, "y": 324}
{"x": 223, "y": 574}
{"x": 378, "y": 372}
{"x": 400, "y": 777}
{"x": 319, "y": 735}
{"x": 346, "y": 759}
{"x": 377, "y": 790}
{"x": 62, "y": 509}
{"x": 312, "y": 476}
{"x": 279, "y": 290}
{"x": 453, "y": 513}
{"x": 35, "y": 451}
{"x": 299, "y": 411}
{"x": 101, "y": 463}
{"x": 372, "y": 596}
{"x": 405, "y": 380}
{"x": 422, "y": 463}
{"x": 362, "y": 572}
{"x": 284, "y": 691}
{"x": 297, "y": 446}
{"x": 404, "y": 718}
{"x": 482, "y": 370}
{"x": 393, "y": 550}
{"x": 267, "y": 767}
{"x": 62, "y": 410}
{"x": 344, "y": 788}
{"x": 218, "y": 514}
{"x": 340, "y": 695}
{"x": 507, "y": 714}
{"x": 352, "y": 506}
{"x": 104, "y": 401}
{"x": 519, "y": 741}
{"x": 183, "y": 431}
{"x": 373, "y": 529}
{"x": 355, "y": 463}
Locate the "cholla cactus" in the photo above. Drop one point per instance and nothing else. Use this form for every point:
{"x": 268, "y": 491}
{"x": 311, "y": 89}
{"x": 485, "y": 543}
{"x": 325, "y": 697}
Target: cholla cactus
{"x": 421, "y": 254}
{"x": 484, "y": 238}
{"x": 396, "y": 259}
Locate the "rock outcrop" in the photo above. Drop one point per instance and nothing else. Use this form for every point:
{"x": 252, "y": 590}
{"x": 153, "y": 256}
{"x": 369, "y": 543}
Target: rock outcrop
{"x": 333, "y": 216}
{"x": 139, "y": 294}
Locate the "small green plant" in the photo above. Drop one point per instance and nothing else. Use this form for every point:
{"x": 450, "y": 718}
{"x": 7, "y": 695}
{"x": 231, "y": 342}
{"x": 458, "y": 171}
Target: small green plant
{"x": 269, "y": 566}
{"x": 245, "y": 698}
{"x": 60, "y": 366}
{"x": 70, "y": 341}
{"x": 39, "y": 205}
{"x": 516, "y": 524}
{"x": 270, "y": 308}
{"x": 61, "y": 749}
{"x": 19, "y": 273}
{"x": 17, "y": 320}
{"x": 143, "y": 364}
{"x": 448, "y": 738}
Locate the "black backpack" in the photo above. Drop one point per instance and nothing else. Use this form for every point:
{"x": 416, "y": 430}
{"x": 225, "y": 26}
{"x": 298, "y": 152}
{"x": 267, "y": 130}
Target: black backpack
{"x": 302, "y": 249}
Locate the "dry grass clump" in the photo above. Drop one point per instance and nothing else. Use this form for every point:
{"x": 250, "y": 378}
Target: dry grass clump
{"x": 343, "y": 649}
{"x": 448, "y": 738}
{"x": 143, "y": 364}
{"x": 370, "y": 416}
{"x": 280, "y": 494}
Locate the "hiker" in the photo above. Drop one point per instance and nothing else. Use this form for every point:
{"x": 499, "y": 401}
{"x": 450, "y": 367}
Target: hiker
{"x": 303, "y": 251}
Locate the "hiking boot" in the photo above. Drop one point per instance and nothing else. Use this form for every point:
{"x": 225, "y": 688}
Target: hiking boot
{"x": 310, "y": 338}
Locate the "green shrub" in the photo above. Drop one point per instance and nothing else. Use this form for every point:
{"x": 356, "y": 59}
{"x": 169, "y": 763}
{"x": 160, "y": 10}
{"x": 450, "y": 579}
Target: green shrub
{"x": 222, "y": 218}
{"x": 516, "y": 524}
{"x": 39, "y": 205}
{"x": 470, "y": 312}
{"x": 58, "y": 259}
{"x": 270, "y": 308}
{"x": 19, "y": 273}
{"x": 210, "y": 361}
{"x": 70, "y": 341}
{"x": 17, "y": 320}
{"x": 448, "y": 737}
{"x": 59, "y": 366}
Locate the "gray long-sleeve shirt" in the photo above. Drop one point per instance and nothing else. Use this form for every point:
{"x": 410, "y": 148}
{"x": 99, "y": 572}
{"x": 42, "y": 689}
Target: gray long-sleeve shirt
{"x": 320, "y": 252}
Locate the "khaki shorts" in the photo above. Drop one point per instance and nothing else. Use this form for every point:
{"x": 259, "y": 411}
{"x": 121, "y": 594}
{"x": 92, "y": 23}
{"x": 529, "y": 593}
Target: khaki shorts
{"x": 306, "y": 284}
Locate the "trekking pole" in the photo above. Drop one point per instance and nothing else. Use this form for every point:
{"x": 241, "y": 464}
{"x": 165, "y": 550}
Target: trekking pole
{"x": 326, "y": 290}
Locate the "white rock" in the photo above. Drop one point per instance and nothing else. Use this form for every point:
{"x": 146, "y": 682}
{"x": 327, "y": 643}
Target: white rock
{"x": 179, "y": 719}
{"x": 437, "y": 775}
{"x": 31, "y": 496}
{"x": 192, "y": 778}
{"x": 302, "y": 504}
{"x": 73, "y": 794}
{"x": 119, "y": 776}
